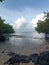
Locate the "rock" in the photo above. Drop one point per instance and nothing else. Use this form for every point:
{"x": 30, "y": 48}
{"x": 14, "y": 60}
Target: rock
{"x": 41, "y": 59}
{"x": 44, "y": 58}
{"x": 24, "y": 59}
{"x": 14, "y": 59}
{"x": 12, "y": 54}
{"x": 18, "y": 59}
{"x": 34, "y": 58}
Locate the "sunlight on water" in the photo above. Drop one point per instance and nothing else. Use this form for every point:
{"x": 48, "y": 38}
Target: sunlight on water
{"x": 27, "y": 39}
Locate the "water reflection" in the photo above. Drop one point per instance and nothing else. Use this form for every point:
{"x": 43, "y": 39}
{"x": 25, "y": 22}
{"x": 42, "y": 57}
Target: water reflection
{"x": 30, "y": 39}
{"x": 18, "y": 44}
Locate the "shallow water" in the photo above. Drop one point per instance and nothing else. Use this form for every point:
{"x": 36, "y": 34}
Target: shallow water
{"x": 22, "y": 42}
{"x": 27, "y": 39}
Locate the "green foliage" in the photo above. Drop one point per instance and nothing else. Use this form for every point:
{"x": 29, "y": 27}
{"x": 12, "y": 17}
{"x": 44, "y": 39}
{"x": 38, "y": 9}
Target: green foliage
{"x": 43, "y": 26}
{"x": 5, "y": 28}
{"x": 1, "y": 0}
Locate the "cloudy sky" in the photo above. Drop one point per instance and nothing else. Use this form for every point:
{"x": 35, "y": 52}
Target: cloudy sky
{"x": 23, "y": 14}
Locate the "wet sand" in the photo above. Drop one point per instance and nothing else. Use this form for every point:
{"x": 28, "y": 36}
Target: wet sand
{"x": 4, "y": 49}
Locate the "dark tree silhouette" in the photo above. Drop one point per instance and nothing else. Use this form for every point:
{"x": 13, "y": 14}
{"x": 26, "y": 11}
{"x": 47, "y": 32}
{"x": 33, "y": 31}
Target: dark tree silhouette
{"x": 5, "y": 28}
{"x": 1, "y": 0}
{"x": 43, "y": 26}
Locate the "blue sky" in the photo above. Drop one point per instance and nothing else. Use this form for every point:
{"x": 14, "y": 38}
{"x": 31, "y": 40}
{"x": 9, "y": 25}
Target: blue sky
{"x": 22, "y": 14}
{"x": 21, "y": 4}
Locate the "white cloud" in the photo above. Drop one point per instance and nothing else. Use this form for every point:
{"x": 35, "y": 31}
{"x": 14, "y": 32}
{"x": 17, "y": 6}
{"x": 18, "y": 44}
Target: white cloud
{"x": 19, "y": 22}
{"x": 35, "y": 20}
{"x": 26, "y": 22}
{"x": 22, "y": 23}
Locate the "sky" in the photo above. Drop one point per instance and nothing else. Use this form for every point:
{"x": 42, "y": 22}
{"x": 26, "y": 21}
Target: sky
{"x": 23, "y": 15}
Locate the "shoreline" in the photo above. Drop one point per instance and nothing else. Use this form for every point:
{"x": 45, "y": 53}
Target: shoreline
{"x": 37, "y": 49}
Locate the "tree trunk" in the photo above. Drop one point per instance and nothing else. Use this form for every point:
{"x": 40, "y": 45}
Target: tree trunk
{"x": 2, "y": 38}
{"x": 46, "y": 36}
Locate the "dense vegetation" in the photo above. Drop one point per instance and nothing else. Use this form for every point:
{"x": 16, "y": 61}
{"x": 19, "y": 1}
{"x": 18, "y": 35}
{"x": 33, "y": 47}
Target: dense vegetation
{"x": 1, "y": 0}
{"x": 5, "y": 28}
{"x": 43, "y": 26}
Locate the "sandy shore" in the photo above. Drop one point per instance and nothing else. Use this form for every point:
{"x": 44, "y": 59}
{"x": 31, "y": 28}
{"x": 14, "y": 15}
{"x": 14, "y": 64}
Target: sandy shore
{"x": 6, "y": 49}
